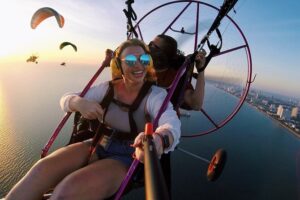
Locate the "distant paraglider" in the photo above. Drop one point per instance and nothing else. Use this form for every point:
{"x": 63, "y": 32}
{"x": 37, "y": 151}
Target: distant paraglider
{"x": 62, "y": 45}
{"x": 44, "y": 13}
{"x": 32, "y": 58}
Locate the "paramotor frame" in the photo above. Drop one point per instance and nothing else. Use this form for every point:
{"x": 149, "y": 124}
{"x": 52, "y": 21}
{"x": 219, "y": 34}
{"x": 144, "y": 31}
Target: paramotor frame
{"x": 245, "y": 46}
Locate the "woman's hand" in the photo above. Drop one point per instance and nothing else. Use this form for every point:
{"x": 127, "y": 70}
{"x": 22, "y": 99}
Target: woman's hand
{"x": 158, "y": 144}
{"x": 139, "y": 149}
{"x": 138, "y": 145}
{"x": 88, "y": 109}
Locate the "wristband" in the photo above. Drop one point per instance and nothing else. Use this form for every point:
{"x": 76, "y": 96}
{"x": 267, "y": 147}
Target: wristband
{"x": 200, "y": 70}
{"x": 165, "y": 140}
{"x": 161, "y": 139}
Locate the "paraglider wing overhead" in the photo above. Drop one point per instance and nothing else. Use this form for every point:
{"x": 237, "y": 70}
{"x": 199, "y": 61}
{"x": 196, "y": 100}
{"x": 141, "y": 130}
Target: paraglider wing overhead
{"x": 44, "y": 13}
{"x": 62, "y": 45}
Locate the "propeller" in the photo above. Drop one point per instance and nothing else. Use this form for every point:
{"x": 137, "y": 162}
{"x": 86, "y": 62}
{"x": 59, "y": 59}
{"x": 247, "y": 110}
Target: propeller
{"x": 215, "y": 165}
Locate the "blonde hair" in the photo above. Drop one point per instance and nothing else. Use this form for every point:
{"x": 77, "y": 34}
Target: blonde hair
{"x": 115, "y": 63}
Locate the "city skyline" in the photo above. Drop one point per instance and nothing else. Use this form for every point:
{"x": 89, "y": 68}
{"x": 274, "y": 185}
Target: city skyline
{"x": 272, "y": 30}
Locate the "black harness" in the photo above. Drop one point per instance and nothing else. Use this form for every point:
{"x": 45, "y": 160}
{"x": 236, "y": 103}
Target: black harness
{"x": 84, "y": 129}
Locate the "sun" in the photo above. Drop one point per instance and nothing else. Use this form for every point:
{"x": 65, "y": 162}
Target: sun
{"x": 13, "y": 29}
{"x": 17, "y": 38}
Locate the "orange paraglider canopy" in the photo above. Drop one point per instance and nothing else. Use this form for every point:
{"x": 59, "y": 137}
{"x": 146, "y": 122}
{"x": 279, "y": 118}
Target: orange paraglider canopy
{"x": 44, "y": 13}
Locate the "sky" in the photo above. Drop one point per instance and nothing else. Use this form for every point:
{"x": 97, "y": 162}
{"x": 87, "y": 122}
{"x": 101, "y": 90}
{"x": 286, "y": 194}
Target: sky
{"x": 272, "y": 29}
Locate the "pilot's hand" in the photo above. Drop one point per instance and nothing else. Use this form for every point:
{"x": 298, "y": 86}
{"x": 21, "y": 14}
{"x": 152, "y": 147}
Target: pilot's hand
{"x": 200, "y": 59}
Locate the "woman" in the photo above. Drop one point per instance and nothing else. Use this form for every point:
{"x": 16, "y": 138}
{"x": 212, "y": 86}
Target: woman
{"x": 66, "y": 171}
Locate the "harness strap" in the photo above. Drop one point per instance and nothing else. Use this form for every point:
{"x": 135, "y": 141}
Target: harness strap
{"x": 214, "y": 50}
{"x": 108, "y": 97}
{"x": 181, "y": 87}
{"x": 93, "y": 124}
{"x": 135, "y": 105}
{"x": 98, "y": 128}
{"x": 84, "y": 124}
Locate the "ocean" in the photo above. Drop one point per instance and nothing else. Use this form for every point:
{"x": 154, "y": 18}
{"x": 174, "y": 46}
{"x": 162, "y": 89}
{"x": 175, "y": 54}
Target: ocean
{"x": 263, "y": 158}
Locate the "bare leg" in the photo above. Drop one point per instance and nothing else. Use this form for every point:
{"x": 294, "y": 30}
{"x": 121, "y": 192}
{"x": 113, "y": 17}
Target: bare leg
{"x": 49, "y": 171}
{"x": 99, "y": 180}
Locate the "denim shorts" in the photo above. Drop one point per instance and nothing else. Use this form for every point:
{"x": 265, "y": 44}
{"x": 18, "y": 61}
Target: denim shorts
{"x": 115, "y": 149}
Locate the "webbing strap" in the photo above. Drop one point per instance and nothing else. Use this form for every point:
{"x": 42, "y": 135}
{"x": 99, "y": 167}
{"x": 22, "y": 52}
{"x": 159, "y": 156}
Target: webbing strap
{"x": 134, "y": 106}
{"x": 108, "y": 97}
{"x": 214, "y": 50}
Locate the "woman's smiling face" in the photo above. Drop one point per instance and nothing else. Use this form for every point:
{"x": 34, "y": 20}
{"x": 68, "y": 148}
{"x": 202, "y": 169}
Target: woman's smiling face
{"x": 137, "y": 71}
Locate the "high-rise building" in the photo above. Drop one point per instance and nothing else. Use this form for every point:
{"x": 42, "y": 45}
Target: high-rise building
{"x": 272, "y": 108}
{"x": 265, "y": 102}
{"x": 286, "y": 115}
{"x": 283, "y": 113}
{"x": 257, "y": 95}
{"x": 295, "y": 112}
{"x": 280, "y": 110}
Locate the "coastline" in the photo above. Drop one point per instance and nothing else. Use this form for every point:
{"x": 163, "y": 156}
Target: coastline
{"x": 292, "y": 131}
{"x": 270, "y": 115}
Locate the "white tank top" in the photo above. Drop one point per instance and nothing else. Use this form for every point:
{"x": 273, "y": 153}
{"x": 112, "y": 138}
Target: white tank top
{"x": 117, "y": 116}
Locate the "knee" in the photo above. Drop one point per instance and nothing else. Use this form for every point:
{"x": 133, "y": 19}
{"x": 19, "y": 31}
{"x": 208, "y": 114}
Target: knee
{"x": 64, "y": 191}
{"x": 68, "y": 188}
{"x": 41, "y": 167}
{"x": 74, "y": 187}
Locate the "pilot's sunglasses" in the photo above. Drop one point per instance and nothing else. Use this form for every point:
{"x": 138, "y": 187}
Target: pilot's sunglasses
{"x": 131, "y": 59}
{"x": 153, "y": 45}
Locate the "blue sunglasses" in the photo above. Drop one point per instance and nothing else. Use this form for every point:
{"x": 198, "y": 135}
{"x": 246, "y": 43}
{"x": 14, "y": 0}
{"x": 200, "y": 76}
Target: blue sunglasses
{"x": 131, "y": 59}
